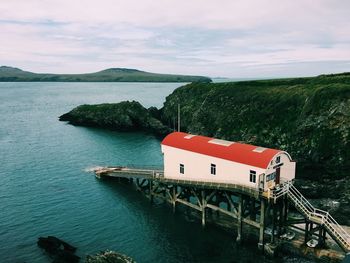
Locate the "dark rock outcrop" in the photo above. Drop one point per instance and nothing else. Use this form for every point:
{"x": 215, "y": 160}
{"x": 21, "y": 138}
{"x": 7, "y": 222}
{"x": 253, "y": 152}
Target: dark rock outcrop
{"x": 59, "y": 250}
{"x": 123, "y": 116}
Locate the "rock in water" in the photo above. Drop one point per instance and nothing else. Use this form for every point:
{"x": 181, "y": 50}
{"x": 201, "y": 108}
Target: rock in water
{"x": 122, "y": 116}
{"x": 109, "y": 257}
{"x": 59, "y": 250}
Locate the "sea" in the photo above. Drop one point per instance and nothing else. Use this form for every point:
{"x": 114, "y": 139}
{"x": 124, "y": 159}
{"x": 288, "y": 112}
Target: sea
{"x": 47, "y": 186}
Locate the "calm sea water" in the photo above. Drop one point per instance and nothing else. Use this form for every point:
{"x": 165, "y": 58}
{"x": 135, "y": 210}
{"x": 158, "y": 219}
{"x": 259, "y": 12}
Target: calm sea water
{"x": 46, "y": 187}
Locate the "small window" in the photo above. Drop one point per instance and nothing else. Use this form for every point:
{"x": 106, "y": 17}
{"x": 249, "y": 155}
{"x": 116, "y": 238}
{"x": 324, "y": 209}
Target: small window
{"x": 270, "y": 177}
{"x": 182, "y": 168}
{"x": 252, "y": 177}
{"x": 213, "y": 169}
{"x": 278, "y": 159}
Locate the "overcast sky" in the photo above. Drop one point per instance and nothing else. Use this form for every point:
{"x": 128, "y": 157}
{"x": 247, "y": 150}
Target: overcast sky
{"x": 230, "y": 38}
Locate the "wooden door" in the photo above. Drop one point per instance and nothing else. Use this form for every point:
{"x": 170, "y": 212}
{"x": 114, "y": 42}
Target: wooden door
{"x": 278, "y": 174}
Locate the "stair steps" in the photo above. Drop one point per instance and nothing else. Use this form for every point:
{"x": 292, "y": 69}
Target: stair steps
{"x": 315, "y": 215}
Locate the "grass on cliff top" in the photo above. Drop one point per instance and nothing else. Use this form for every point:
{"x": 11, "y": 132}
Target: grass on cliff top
{"x": 307, "y": 117}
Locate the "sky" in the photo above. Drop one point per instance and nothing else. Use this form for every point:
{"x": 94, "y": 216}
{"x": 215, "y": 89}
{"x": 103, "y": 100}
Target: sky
{"x": 222, "y": 38}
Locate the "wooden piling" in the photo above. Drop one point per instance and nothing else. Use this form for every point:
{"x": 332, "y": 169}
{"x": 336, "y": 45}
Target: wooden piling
{"x": 203, "y": 206}
{"x": 239, "y": 219}
{"x": 262, "y": 224}
{"x": 150, "y": 183}
{"x": 174, "y": 198}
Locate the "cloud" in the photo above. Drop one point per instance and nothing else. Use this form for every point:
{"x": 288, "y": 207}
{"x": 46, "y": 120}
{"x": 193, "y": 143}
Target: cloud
{"x": 216, "y": 38}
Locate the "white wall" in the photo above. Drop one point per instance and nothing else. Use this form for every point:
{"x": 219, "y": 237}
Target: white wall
{"x": 287, "y": 170}
{"x": 197, "y": 168}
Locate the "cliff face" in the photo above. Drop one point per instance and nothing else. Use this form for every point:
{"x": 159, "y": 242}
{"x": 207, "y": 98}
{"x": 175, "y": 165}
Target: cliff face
{"x": 307, "y": 117}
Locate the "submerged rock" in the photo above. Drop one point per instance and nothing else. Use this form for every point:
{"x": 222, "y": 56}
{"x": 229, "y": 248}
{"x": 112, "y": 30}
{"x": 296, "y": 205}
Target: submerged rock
{"x": 109, "y": 257}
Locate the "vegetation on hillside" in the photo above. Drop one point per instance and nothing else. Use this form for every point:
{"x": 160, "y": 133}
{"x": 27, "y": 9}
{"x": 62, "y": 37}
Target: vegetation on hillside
{"x": 109, "y": 75}
{"x": 308, "y": 117}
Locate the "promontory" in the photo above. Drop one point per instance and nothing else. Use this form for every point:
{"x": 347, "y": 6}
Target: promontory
{"x": 307, "y": 117}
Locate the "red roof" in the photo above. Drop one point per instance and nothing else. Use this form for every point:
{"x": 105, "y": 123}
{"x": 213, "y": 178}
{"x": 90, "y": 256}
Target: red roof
{"x": 236, "y": 152}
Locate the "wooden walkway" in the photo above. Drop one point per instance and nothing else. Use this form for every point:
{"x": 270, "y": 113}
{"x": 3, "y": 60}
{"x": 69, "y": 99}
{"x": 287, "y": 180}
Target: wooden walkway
{"x": 158, "y": 175}
{"x": 244, "y": 204}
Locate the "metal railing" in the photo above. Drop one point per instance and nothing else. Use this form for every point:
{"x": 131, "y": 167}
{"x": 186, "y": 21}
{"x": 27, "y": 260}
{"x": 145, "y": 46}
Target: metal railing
{"x": 312, "y": 213}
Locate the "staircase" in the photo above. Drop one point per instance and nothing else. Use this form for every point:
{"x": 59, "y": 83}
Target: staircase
{"x": 313, "y": 214}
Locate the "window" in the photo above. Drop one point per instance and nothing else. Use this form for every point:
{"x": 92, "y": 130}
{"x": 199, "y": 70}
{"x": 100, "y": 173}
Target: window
{"x": 278, "y": 159}
{"x": 213, "y": 169}
{"x": 182, "y": 168}
{"x": 252, "y": 177}
{"x": 270, "y": 177}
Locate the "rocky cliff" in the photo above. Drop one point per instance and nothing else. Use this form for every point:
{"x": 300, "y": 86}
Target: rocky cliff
{"x": 308, "y": 117}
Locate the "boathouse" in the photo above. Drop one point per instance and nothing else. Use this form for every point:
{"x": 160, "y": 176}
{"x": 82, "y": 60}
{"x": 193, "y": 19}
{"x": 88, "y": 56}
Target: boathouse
{"x": 200, "y": 158}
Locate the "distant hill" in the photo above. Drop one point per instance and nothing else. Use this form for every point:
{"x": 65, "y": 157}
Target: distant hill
{"x": 10, "y": 74}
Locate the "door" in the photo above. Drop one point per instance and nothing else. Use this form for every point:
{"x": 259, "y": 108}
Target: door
{"x": 278, "y": 175}
{"x": 262, "y": 182}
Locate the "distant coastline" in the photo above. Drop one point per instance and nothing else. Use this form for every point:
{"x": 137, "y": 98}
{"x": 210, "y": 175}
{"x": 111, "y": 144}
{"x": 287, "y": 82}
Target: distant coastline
{"x": 11, "y": 74}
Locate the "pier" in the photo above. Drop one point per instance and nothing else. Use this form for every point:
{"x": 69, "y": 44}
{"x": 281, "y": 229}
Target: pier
{"x": 268, "y": 212}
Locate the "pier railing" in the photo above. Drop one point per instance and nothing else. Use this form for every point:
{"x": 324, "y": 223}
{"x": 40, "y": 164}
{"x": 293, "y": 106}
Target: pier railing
{"x": 158, "y": 175}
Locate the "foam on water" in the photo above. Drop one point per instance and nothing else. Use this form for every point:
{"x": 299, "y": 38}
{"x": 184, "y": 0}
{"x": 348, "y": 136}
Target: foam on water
{"x": 92, "y": 169}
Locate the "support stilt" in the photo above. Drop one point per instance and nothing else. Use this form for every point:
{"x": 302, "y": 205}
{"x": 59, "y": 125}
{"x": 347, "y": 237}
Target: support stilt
{"x": 273, "y": 224}
{"x": 174, "y": 198}
{"x": 262, "y": 225}
{"x": 239, "y": 219}
{"x": 150, "y": 183}
{"x": 203, "y": 204}
{"x": 306, "y": 239}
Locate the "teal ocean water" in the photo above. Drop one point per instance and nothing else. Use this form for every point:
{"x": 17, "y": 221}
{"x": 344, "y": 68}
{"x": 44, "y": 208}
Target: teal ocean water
{"x": 46, "y": 187}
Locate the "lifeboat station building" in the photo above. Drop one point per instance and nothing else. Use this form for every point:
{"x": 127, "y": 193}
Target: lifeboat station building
{"x": 200, "y": 158}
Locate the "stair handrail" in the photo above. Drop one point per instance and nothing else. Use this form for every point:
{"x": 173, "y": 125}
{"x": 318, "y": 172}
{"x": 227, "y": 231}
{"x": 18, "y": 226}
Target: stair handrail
{"x": 341, "y": 231}
{"x": 302, "y": 199}
{"x": 325, "y": 216}
{"x": 282, "y": 190}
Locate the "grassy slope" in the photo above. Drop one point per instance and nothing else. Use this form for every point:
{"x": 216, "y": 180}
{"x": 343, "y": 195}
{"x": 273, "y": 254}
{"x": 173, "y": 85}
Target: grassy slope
{"x": 108, "y": 75}
{"x": 308, "y": 117}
